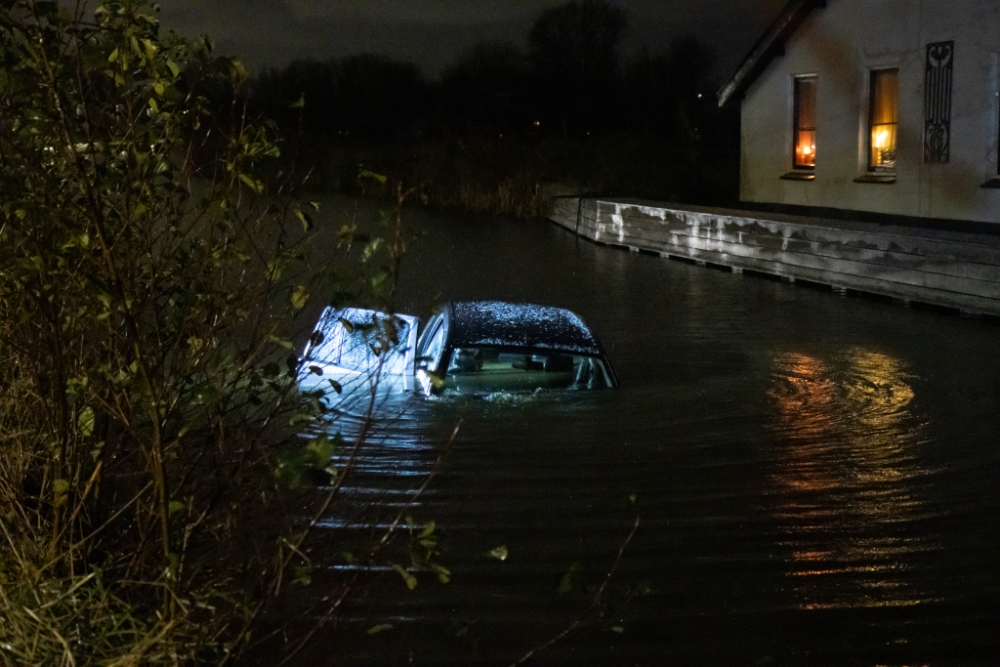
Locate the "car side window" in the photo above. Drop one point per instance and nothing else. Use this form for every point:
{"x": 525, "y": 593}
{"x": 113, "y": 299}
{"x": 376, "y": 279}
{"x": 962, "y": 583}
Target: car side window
{"x": 434, "y": 349}
{"x": 432, "y": 344}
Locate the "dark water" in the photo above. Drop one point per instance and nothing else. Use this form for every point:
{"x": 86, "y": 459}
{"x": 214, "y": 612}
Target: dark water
{"x": 817, "y": 477}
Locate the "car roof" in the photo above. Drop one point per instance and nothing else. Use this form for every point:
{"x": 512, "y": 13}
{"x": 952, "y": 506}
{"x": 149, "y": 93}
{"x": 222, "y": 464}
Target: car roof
{"x": 522, "y": 325}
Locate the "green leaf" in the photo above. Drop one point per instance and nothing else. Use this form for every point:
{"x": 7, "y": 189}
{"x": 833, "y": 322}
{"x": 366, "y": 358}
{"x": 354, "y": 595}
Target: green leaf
{"x": 291, "y": 466}
{"x": 303, "y": 417}
{"x": 208, "y": 395}
{"x": 372, "y": 248}
{"x": 238, "y": 69}
{"x": 85, "y": 422}
{"x": 174, "y": 69}
{"x": 113, "y": 57}
{"x": 409, "y": 579}
{"x": 307, "y": 223}
{"x": 279, "y": 340}
{"x": 322, "y": 450}
{"x": 443, "y": 573}
{"x": 299, "y": 297}
{"x": 60, "y": 487}
{"x": 381, "y": 627}
{"x": 252, "y": 183}
{"x": 275, "y": 268}
{"x": 500, "y": 553}
{"x": 171, "y": 566}
{"x": 381, "y": 178}
{"x": 571, "y": 580}
{"x": 95, "y": 453}
{"x": 299, "y": 103}
{"x": 175, "y": 506}
{"x": 303, "y": 576}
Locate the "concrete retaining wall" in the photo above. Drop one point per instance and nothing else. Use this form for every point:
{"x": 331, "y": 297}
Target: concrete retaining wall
{"x": 951, "y": 269}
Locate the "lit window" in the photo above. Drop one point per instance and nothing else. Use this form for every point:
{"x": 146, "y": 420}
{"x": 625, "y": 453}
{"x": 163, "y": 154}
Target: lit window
{"x": 805, "y": 123}
{"x": 883, "y": 119}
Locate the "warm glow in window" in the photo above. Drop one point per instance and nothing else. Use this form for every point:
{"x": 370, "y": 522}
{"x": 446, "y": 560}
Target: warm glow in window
{"x": 805, "y": 123}
{"x": 883, "y": 119}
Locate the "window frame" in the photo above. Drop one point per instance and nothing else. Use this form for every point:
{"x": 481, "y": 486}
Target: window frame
{"x": 876, "y": 169}
{"x": 797, "y": 82}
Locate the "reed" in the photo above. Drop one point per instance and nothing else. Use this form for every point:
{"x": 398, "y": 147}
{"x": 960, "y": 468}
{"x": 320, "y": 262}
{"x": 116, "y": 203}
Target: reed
{"x": 507, "y": 175}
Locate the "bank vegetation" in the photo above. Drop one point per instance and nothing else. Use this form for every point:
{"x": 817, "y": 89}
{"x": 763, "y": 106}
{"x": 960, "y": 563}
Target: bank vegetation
{"x": 152, "y": 461}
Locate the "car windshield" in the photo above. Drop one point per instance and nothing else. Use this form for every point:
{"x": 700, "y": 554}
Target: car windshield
{"x": 363, "y": 341}
{"x": 475, "y": 370}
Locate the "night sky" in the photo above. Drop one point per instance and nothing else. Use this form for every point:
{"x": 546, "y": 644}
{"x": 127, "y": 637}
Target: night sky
{"x": 433, "y": 33}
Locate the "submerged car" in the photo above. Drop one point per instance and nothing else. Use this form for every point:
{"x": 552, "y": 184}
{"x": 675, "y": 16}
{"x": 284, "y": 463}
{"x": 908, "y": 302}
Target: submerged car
{"x": 469, "y": 347}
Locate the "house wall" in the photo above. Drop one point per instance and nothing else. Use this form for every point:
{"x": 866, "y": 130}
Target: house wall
{"x": 841, "y": 44}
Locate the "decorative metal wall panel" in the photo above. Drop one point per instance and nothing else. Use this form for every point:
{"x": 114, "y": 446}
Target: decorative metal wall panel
{"x": 937, "y": 101}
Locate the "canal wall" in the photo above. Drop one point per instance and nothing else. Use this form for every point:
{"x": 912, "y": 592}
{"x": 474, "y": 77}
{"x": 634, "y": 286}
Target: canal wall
{"x": 943, "y": 268}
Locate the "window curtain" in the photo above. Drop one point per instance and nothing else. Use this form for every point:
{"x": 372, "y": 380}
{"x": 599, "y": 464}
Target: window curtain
{"x": 884, "y": 115}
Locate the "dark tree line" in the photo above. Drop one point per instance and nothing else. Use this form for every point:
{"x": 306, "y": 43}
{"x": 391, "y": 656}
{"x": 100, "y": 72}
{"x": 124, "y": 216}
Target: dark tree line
{"x": 569, "y": 84}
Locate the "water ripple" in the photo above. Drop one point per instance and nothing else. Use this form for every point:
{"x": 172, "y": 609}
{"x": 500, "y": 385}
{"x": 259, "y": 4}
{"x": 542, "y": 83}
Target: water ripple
{"x": 842, "y": 479}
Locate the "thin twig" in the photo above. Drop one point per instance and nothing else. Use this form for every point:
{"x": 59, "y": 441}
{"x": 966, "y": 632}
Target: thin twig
{"x": 595, "y": 603}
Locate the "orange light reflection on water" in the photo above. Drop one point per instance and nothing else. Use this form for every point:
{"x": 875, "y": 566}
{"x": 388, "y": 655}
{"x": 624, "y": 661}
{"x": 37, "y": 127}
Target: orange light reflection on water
{"x": 844, "y": 475}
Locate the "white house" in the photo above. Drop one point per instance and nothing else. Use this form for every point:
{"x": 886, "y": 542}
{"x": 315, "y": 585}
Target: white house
{"x": 885, "y": 106}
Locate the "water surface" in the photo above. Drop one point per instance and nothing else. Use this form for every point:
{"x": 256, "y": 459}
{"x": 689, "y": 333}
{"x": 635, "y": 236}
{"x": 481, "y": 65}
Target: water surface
{"x": 816, "y": 476}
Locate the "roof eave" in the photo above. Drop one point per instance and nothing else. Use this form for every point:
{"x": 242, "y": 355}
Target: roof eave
{"x": 770, "y": 45}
